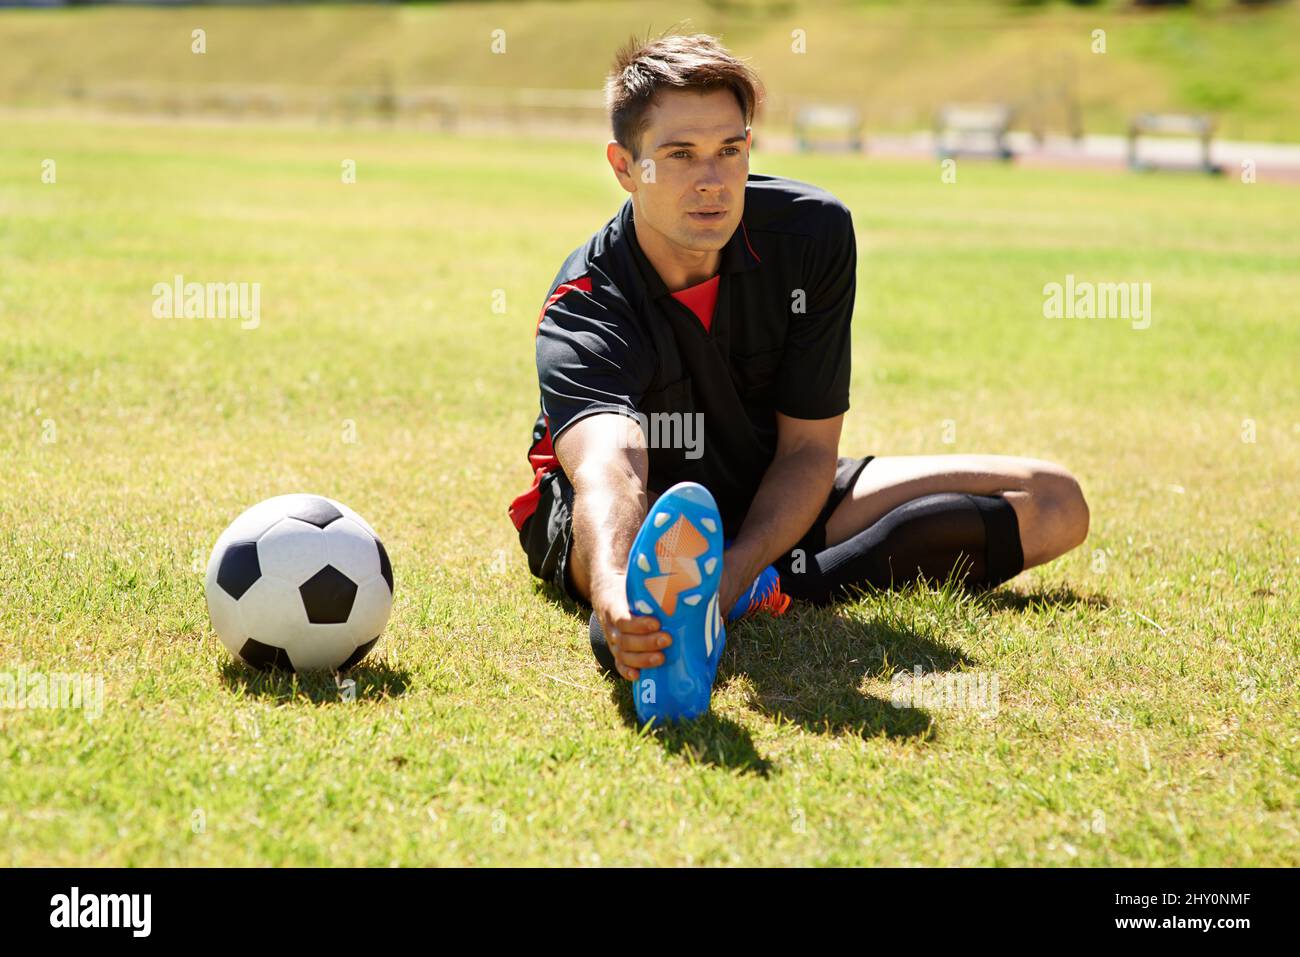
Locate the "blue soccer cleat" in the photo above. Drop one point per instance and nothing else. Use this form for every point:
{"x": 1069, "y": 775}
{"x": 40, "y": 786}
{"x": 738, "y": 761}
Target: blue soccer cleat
{"x": 765, "y": 593}
{"x": 673, "y": 573}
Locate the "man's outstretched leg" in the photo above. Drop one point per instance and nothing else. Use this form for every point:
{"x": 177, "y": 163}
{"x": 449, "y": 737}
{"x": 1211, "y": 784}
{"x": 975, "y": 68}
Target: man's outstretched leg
{"x": 605, "y": 454}
{"x": 674, "y": 572}
{"x": 608, "y": 502}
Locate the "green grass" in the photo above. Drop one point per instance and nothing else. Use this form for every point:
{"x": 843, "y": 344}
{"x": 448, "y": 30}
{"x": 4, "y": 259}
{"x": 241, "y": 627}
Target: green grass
{"x": 898, "y": 61}
{"x": 1147, "y": 681}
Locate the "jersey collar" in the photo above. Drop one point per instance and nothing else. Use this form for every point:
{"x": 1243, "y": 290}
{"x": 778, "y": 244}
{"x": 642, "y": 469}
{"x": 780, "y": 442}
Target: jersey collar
{"x": 737, "y": 255}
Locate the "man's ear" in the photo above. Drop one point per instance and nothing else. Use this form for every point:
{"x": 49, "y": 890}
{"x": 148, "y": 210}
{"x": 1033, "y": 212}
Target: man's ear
{"x": 620, "y": 161}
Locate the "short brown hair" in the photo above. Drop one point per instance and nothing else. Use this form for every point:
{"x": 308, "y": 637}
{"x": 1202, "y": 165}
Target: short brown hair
{"x": 696, "y": 62}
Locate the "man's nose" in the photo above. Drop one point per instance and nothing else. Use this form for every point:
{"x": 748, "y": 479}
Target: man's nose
{"x": 708, "y": 178}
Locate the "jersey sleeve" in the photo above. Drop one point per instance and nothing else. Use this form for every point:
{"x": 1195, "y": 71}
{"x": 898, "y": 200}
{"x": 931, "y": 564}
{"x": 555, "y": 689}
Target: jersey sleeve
{"x": 813, "y": 379}
{"x": 590, "y": 357}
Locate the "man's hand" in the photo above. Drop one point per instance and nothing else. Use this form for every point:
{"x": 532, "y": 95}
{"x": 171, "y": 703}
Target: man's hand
{"x": 788, "y": 500}
{"x": 605, "y": 457}
{"x": 635, "y": 640}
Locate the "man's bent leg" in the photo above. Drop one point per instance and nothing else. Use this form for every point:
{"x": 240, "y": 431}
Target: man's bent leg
{"x": 982, "y": 518}
{"x": 973, "y": 538}
{"x": 1050, "y": 509}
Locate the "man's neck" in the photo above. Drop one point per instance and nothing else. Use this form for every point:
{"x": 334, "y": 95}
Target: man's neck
{"x": 679, "y": 268}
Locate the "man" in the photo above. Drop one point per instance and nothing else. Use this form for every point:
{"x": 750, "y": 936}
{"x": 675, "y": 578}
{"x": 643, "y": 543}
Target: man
{"x": 714, "y": 309}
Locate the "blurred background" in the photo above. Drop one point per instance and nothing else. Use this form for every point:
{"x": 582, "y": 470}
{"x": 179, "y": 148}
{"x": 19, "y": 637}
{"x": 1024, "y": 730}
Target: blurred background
{"x": 1069, "y": 82}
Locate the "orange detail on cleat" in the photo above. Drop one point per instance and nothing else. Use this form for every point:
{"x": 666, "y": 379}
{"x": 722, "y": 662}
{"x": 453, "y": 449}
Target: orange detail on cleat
{"x": 774, "y": 600}
{"x": 677, "y": 552}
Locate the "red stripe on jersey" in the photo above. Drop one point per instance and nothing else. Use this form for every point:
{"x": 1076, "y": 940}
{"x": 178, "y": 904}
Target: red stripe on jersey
{"x": 745, "y": 233}
{"x": 542, "y": 455}
{"x": 542, "y": 458}
{"x": 581, "y": 285}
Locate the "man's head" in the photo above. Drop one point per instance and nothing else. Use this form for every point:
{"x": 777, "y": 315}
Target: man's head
{"x": 681, "y": 109}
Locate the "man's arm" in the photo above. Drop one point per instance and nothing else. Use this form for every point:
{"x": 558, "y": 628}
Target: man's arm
{"x": 812, "y": 394}
{"x": 789, "y": 499}
{"x": 604, "y": 456}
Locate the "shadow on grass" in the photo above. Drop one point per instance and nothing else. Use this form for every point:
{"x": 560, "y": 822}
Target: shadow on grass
{"x": 813, "y": 680}
{"x": 373, "y": 681}
{"x": 809, "y": 666}
{"x": 809, "y": 669}
{"x": 550, "y": 592}
{"x": 710, "y": 740}
{"x": 1042, "y": 599}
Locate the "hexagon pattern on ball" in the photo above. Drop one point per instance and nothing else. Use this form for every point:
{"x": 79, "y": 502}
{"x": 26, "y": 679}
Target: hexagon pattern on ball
{"x": 272, "y": 612}
{"x": 353, "y": 550}
{"x": 299, "y": 582}
{"x": 292, "y": 548}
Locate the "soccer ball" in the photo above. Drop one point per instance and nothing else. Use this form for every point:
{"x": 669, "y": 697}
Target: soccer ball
{"x": 300, "y": 583}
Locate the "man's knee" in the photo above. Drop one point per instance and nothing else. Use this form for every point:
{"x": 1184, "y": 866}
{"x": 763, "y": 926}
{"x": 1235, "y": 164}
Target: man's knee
{"x": 1059, "y": 513}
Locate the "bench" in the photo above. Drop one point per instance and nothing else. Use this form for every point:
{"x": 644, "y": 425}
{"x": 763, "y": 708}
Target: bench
{"x": 816, "y": 126}
{"x": 1172, "y": 124}
{"x": 973, "y": 129}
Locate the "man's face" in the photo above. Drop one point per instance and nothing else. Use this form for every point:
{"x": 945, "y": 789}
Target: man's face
{"x": 699, "y": 149}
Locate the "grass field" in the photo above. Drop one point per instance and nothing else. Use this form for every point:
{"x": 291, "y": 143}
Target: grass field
{"x": 1147, "y": 682}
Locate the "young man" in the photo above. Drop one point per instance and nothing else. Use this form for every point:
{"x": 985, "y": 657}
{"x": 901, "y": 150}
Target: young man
{"x": 715, "y": 309}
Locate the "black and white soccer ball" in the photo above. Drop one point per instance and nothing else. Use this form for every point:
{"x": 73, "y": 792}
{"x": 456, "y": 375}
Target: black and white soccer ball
{"x": 300, "y": 583}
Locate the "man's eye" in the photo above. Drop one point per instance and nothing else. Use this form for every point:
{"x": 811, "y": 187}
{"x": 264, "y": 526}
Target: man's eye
{"x": 684, "y": 154}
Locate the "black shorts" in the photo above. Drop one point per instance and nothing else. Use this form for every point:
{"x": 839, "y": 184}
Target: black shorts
{"x": 547, "y": 535}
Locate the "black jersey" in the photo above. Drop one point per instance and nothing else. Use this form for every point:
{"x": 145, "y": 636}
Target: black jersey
{"x": 612, "y": 338}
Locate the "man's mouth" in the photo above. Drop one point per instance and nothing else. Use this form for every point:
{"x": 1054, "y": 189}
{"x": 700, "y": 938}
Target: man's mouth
{"x": 708, "y": 216}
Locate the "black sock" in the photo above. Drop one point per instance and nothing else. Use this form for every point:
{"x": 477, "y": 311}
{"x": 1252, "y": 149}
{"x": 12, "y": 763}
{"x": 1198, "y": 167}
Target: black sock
{"x": 928, "y": 537}
{"x": 600, "y": 647}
